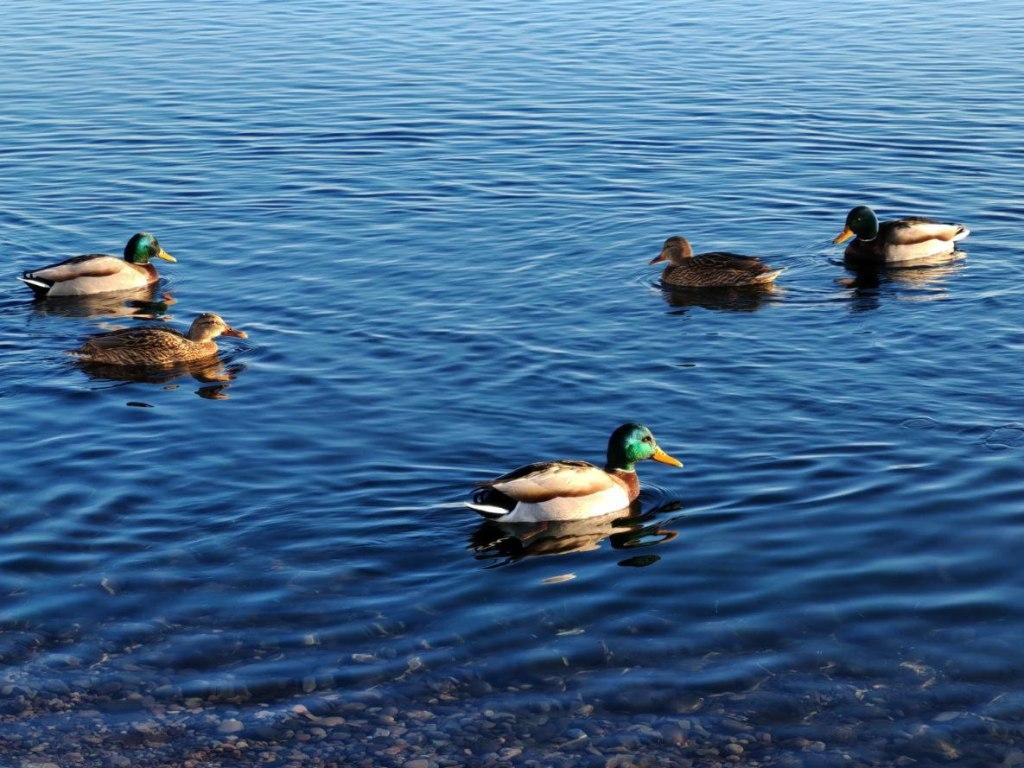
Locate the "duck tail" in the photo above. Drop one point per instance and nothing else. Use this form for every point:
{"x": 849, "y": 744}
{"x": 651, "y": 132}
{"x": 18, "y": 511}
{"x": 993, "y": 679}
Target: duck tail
{"x": 37, "y": 285}
{"x": 961, "y": 233}
{"x": 769, "y": 277}
{"x": 486, "y": 510}
{"x": 488, "y": 502}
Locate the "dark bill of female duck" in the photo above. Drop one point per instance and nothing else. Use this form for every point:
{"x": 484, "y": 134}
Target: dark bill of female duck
{"x": 717, "y": 269}
{"x": 99, "y": 273}
{"x": 572, "y": 490}
{"x": 907, "y": 240}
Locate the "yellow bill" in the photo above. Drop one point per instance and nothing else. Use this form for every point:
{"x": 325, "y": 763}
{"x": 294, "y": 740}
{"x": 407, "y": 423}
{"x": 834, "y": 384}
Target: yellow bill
{"x": 843, "y": 236}
{"x": 664, "y": 458}
{"x": 162, "y": 254}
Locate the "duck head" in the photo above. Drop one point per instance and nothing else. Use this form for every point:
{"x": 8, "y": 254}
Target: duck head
{"x": 675, "y": 250}
{"x": 631, "y": 443}
{"x": 142, "y": 247}
{"x": 209, "y": 326}
{"x": 860, "y": 221}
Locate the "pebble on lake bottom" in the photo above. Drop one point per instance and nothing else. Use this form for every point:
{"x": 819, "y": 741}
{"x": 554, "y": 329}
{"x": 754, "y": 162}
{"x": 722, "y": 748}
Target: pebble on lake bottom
{"x": 447, "y": 722}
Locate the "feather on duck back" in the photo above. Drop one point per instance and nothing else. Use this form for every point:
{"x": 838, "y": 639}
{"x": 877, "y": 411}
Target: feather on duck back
{"x": 157, "y": 346}
{"x": 552, "y": 490}
{"x": 716, "y": 269}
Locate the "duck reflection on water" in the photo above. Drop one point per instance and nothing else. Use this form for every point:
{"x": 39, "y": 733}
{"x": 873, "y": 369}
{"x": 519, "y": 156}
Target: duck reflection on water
{"x": 142, "y": 303}
{"x": 917, "y": 281}
{"x": 743, "y": 299}
{"x": 505, "y": 543}
{"x": 215, "y": 375}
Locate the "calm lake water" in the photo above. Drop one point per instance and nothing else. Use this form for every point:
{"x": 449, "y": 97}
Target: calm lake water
{"x": 434, "y": 222}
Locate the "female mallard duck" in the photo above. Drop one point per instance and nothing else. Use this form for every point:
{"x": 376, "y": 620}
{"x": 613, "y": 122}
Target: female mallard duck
{"x": 156, "y": 347}
{"x": 909, "y": 240}
{"x": 710, "y": 270}
{"x": 99, "y": 273}
{"x": 572, "y": 490}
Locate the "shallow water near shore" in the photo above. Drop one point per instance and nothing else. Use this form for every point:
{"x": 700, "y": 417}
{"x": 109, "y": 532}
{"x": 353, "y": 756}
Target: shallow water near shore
{"x": 433, "y": 222}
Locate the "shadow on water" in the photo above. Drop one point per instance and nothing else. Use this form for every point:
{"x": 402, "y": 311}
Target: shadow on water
{"x": 506, "y": 543}
{"x": 748, "y": 299}
{"x": 143, "y": 303}
{"x": 214, "y": 374}
{"x": 917, "y": 281}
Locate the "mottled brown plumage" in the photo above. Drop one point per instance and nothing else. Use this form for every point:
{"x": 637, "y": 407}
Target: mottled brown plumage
{"x": 156, "y": 347}
{"x": 710, "y": 270}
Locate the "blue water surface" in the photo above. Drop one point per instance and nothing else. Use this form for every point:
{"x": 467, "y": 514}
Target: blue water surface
{"x": 434, "y": 220}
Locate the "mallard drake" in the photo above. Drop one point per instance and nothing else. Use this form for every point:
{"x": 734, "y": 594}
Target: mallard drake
{"x": 908, "y": 240}
{"x": 572, "y": 490}
{"x": 99, "y": 273}
{"x": 157, "y": 347}
{"x": 710, "y": 270}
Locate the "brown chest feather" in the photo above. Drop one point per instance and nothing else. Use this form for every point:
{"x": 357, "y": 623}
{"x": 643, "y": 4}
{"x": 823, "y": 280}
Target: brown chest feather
{"x": 629, "y": 480}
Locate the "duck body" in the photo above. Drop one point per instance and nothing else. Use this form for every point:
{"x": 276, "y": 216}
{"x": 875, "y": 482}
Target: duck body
{"x": 717, "y": 269}
{"x": 97, "y": 273}
{"x": 89, "y": 275}
{"x": 156, "y": 346}
{"x": 556, "y": 490}
{"x": 908, "y": 241}
{"x": 571, "y": 490}
{"x": 149, "y": 346}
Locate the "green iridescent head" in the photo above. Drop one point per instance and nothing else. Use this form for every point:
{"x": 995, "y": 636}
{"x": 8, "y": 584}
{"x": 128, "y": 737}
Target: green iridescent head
{"x": 143, "y": 247}
{"x": 860, "y": 221}
{"x": 631, "y": 443}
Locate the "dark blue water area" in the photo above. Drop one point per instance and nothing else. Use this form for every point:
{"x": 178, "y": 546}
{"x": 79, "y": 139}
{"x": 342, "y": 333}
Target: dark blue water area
{"x": 434, "y": 222}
